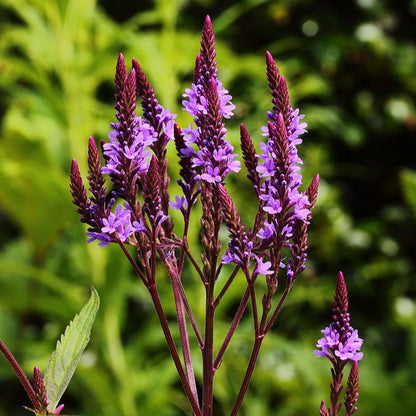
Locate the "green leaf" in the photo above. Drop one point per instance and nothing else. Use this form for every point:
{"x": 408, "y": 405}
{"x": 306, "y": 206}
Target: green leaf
{"x": 69, "y": 348}
{"x": 408, "y": 183}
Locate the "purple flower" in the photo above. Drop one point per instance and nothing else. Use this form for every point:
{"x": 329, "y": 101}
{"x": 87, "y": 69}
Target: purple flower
{"x": 212, "y": 174}
{"x": 195, "y": 102}
{"x": 129, "y": 155}
{"x": 179, "y": 203}
{"x": 351, "y": 349}
{"x": 331, "y": 346}
{"x": 166, "y": 121}
{"x": 138, "y": 226}
{"x": 267, "y": 231}
{"x": 263, "y": 267}
{"x": 208, "y": 102}
{"x": 273, "y": 205}
{"x": 279, "y": 163}
{"x": 274, "y": 243}
{"x": 340, "y": 340}
{"x": 341, "y": 344}
{"x": 238, "y": 250}
{"x": 117, "y": 226}
{"x": 103, "y": 239}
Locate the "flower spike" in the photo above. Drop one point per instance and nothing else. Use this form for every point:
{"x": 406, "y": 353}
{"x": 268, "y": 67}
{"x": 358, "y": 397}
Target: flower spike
{"x": 40, "y": 390}
{"x": 341, "y": 344}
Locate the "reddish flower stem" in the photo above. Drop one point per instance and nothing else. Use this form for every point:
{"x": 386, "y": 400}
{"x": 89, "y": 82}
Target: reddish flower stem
{"x": 150, "y": 284}
{"x": 237, "y": 318}
{"x": 20, "y": 374}
{"x": 173, "y": 350}
{"x": 248, "y": 374}
{"x": 179, "y": 295}
{"x": 208, "y": 351}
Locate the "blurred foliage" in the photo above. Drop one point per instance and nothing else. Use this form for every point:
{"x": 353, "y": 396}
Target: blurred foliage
{"x": 350, "y": 67}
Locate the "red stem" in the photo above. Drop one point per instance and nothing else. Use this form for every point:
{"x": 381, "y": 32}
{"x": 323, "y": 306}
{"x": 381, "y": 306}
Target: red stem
{"x": 181, "y": 319}
{"x": 20, "y": 374}
{"x": 247, "y": 377}
{"x": 172, "y": 348}
{"x": 133, "y": 263}
{"x": 277, "y": 310}
{"x": 260, "y": 334}
{"x": 237, "y": 318}
{"x": 208, "y": 351}
{"x": 151, "y": 287}
{"x": 227, "y": 285}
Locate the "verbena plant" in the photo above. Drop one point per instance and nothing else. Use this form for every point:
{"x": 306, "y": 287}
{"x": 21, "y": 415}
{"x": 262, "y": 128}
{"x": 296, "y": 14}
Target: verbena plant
{"x": 268, "y": 255}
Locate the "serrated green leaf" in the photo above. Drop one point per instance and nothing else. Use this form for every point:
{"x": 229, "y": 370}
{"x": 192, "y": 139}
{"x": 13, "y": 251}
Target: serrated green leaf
{"x": 69, "y": 348}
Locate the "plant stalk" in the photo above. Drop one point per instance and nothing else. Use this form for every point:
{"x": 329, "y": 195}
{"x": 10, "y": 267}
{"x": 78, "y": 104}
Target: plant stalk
{"x": 20, "y": 374}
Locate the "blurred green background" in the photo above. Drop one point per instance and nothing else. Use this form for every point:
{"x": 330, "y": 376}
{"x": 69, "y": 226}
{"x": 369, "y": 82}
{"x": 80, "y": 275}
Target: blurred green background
{"x": 351, "y": 69}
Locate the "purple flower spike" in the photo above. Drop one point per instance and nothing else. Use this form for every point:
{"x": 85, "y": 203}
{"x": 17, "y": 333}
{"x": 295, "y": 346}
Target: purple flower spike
{"x": 280, "y": 160}
{"x": 195, "y": 103}
{"x": 341, "y": 344}
{"x": 352, "y": 391}
{"x": 340, "y": 340}
{"x": 40, "y": 390}
{"x": 209, "y": 103}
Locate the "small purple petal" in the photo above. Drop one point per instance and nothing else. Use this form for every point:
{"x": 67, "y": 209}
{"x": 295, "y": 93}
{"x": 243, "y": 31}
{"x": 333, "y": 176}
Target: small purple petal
{"x": 263, "y": 267}
{"x": 179, "y": 203}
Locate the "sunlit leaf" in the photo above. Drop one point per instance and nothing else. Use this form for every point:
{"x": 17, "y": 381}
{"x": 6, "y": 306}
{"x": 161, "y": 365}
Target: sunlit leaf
{"x": 69, "y": 348}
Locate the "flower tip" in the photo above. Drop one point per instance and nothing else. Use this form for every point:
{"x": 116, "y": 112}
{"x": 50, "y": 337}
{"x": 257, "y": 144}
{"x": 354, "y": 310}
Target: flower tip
{"x": 243, "y": 129}
{"x": 316, "y": 180}
{"x": 207, "y": 28}
{"x": 74, "y": 172}
{"x": 58, "y": 410}
{"x": 270, "y": 59}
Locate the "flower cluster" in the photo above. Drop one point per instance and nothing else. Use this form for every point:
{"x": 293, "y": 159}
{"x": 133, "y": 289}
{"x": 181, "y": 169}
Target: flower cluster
{"x": 118, "y": 150}
{"x": 331, "y": 346}
{"x": 279, "y": 169}
{"x": 341, "y": 345}
{"x": 135, "y": 211}
{"x": 208, "y": 102}
{"x": 127, "y": 161}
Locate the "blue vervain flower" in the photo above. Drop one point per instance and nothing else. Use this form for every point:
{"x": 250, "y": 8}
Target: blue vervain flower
{"x": 341, "y": 345}
{"x": 135, "y": 210}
